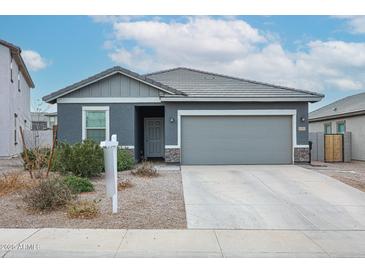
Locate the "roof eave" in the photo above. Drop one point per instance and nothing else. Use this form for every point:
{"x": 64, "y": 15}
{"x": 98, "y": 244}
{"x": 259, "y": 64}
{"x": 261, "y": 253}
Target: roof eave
{"x": 239, "y": 99}
{"x": 16, "y": 52}
{"x": 336, "y": 116}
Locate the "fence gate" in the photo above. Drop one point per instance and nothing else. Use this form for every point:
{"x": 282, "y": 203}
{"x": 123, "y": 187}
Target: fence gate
{"x": 333, "y": 147}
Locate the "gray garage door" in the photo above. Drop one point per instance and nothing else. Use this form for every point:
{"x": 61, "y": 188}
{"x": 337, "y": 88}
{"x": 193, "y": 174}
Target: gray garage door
{"x": 236, "y": 140}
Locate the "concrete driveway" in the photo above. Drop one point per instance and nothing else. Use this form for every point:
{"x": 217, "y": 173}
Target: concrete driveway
{"x": 269, "y": 197}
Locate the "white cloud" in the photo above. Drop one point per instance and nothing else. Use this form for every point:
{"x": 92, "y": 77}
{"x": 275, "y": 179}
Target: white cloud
{"x": 234, "y": 47}
{"x": 34, "y": 60}
{"x": 346, "y": 84}
{"x": 114, "y": 18}
{"x": 356, "y": 24}
{"x": 200, "y": 37}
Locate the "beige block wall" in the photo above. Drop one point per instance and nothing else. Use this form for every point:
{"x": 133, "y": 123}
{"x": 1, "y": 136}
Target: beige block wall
{"x": 355, "y": 125}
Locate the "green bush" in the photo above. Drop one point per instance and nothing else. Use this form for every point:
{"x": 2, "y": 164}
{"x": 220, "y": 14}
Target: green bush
{"x": 82, "y": 159}
{"x": 125, "y": 160}
{"x": 50, "y": 194}
{"x": 78, "y": 184}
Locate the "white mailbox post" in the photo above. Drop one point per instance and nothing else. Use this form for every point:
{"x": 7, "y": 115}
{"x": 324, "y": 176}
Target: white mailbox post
{"x": 111, "y": 172}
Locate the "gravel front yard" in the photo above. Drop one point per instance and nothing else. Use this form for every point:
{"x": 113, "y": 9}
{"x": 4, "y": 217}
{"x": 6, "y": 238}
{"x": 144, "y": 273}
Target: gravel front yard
{"x": 352, "y": 173}
{"x": 150, "y": 203}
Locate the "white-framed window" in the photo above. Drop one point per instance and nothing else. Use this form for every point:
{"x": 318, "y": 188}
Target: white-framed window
{"x": 327, "y": 128}
{"x": 95, "y": 123}
{"x": 341, "y": 127}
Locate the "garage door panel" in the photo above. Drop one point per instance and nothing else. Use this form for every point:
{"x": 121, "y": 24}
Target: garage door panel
{"x": 236, "y": 140}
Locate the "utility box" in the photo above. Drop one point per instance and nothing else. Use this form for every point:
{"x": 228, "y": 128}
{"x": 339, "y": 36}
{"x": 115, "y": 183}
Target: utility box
{"x": 111, "y": 172}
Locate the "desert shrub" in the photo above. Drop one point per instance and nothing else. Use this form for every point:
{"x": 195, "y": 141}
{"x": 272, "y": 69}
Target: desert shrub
{"x": 37, "y": 160}
{"x": 49, "y": 194}
{"x": 124, "y": 184}
{"x": 14, "y": 181}
{"x": 62, "y": 158}
{"x": 146, "y": 169}
{"x": 79, "y": 184}
{"x": 125, "y": 160}
{"x": 84, "y": 159}
{"x": 83, "y": 209}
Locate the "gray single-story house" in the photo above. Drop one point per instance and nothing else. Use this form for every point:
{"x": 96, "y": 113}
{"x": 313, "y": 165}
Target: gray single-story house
{"x": 344, "y": 115}
{"x": 188, "y": 116}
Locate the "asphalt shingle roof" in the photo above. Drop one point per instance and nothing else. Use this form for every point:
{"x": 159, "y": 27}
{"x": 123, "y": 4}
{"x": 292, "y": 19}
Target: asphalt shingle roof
{"x": 196, "y": 83}
{"x": 348, "y": 105}
{"x": 189, "y": 83}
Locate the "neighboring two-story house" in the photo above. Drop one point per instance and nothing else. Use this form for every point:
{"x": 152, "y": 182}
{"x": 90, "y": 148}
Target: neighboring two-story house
{"x": 15, "y": 85}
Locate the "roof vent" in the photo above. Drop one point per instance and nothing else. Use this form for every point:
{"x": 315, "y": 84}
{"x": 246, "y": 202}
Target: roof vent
{"x": 334, "y": 109}
{"x": 209, "y": 77}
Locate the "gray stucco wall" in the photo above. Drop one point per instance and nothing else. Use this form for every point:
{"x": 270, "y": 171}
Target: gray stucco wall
{"x": 121, "y": 122}
{"x": 172, "y": 108}
{"x": 13, "y": 102}
{"x": 317, "y": 139}
{"x": 355, "y": 125}
{"x": 122, "y": 119}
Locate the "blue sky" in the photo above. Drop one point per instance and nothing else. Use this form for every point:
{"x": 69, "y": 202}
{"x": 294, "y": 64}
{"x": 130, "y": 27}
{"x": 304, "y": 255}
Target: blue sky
{"x": 320, "y": 53}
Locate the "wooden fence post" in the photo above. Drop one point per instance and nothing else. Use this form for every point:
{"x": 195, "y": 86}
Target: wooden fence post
{"x": 27, "y": 163}
{"x": 54, "y": 131}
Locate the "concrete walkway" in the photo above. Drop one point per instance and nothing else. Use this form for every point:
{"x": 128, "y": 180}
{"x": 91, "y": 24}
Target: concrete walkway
{"x": 53, "y": 242}
{"x": 269, "y": 197}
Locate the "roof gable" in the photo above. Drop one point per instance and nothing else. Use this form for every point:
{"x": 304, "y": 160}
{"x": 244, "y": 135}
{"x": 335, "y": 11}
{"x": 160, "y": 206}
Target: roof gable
{"x": 51, "y": 98}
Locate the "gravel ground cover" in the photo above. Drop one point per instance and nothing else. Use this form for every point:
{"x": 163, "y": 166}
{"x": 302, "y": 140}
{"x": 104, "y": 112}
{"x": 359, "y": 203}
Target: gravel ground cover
{"x": 352, "y": 173}
{"x": 149, "y": 203}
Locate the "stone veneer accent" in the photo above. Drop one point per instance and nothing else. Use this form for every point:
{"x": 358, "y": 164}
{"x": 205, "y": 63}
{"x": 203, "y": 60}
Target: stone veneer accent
{"x": 172, "y": 155}
{"x": 301, "y": 154}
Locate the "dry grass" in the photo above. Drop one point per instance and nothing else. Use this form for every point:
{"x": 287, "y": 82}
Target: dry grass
{"x": 84, "y": 209}
{"x": 126, "y": 183}
{"x": 146, "y": 169}
{"x": 152, "y": 203}
{"x": 50, "y": 194}
{"x": 15, "y": 181}
{"x": 37, "y": 161}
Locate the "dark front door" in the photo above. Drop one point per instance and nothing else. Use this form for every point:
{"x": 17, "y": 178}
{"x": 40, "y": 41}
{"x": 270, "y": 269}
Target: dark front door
{"x": 153, "y": 137}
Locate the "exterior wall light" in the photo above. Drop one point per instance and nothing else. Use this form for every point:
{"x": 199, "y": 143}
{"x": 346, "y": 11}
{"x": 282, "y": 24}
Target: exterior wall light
{"x": 172, "y": 119}
{"x": 302, "y": 119}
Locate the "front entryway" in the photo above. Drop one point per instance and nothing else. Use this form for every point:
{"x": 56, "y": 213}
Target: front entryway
{"x": 153, "y": 137}
{"x": 149, "y": 133}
